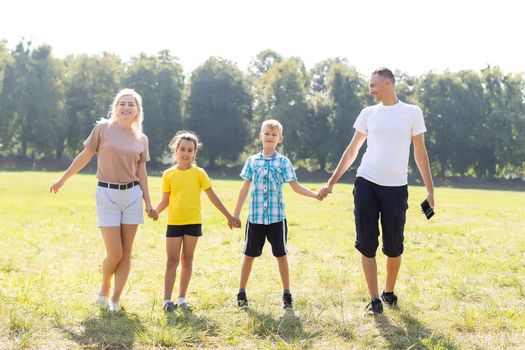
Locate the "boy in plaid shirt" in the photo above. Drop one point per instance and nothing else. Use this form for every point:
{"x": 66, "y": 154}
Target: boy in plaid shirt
{"x": 267, "y": 172}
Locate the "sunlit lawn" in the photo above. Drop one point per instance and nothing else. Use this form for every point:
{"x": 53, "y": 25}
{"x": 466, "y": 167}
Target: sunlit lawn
{"x": 461, "y": 285}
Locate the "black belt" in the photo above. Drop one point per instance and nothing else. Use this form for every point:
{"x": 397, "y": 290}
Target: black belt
{"x": 118, "y": 186}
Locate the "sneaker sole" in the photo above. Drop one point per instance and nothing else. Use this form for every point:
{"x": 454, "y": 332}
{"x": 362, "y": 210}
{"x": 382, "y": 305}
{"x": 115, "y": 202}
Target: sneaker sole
{"x": 390, "y": 305}
{"x": 372, "y": 313}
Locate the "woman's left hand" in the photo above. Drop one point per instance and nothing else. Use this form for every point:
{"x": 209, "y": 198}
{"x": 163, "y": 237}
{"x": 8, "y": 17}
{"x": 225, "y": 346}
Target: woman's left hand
{"x": 149, "y": 209}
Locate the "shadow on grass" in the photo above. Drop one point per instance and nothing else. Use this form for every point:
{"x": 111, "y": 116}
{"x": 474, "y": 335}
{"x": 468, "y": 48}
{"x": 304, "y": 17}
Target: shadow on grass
{"x": 197, "y": 326}
{"x": 104, "y": 330}
{"x": 179, "y": 328}
{"x": 411, "y": 334}
{"x": 288, "y": 328}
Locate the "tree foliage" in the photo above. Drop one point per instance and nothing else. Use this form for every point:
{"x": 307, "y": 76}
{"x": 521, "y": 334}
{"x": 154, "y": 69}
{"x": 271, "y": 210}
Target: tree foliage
{"x": 91, "y": 83}
{"x": 219, "y": 109}
{"x": 31, "y": 101}
{"x": 346, "y": 91}
{"x": 48, "y": 106}
{"x": 160, "y": 81}
{"x": 284, "y": 88}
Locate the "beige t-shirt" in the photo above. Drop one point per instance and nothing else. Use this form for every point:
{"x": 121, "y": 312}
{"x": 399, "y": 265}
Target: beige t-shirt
{"x": 119, "y": 152}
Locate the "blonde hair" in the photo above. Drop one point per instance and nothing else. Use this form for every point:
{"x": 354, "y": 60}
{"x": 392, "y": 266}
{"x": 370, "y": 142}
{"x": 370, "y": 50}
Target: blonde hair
{"x": 136, "y": 126}
{"x": 272, "y": 123}
{"x": 184, "y": 135}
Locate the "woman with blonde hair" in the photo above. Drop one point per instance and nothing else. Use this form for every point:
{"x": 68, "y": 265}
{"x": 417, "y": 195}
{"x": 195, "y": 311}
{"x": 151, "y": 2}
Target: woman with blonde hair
{"x": 122, "y": 151}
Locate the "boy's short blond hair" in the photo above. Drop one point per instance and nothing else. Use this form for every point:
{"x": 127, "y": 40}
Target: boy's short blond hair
{"x": 272, "y": 123}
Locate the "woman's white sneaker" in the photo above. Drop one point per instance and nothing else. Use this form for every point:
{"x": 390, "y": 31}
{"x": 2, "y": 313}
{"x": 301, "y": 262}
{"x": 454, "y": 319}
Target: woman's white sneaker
{"x": 102, "y": 301}
{"x": 114, "y": 307}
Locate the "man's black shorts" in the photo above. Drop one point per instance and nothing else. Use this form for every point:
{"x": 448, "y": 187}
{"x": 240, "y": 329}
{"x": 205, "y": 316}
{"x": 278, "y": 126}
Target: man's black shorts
{"x": 181, "y": 230}
{"x": 372, "y": 203}
{"x": 256, "y": 234}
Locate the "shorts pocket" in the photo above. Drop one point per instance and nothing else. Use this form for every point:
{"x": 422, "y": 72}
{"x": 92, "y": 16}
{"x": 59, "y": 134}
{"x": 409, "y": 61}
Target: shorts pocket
{"x": 136, "y": 195}
{"x": 102, "y": 196}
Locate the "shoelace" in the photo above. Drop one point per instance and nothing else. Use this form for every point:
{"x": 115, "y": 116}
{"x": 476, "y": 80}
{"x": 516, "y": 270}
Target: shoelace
{"x": 369, "y": 307}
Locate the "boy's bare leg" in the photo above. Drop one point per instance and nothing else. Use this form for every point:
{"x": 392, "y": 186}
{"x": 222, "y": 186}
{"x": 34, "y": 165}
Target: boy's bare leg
{"x": 284, "y": 271}
{"x": 246, "y": 270}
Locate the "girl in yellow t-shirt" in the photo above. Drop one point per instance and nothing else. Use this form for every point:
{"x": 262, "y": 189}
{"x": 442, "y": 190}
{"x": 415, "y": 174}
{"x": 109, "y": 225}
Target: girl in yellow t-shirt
{"x": 181, "y": 187}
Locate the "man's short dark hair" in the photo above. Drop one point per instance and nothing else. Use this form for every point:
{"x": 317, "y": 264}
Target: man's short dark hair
{"x": 384, "y": 72}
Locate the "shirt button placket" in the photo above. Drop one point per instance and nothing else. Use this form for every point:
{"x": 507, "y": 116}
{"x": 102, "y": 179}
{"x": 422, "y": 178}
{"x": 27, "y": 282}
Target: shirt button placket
{"x": 266, "y": 195}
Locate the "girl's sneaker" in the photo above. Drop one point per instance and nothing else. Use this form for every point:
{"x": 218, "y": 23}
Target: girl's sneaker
{"x": 170, "y": 306}
{"x": 184, "y": 306}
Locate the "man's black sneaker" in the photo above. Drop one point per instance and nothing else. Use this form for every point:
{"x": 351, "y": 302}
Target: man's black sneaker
{"x": 375, "y": 307}
{"x": 389, "y": 298}
{"x": 241, "y": 300}
{"x": 170, "y": 306}
{"x": 287, "y": 301}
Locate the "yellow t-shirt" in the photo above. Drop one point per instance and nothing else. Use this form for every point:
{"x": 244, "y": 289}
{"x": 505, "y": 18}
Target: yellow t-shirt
{"x": 185, "y": 188}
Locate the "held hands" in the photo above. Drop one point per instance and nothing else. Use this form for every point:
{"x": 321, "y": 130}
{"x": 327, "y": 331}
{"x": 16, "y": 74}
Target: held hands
{"x": 324, "y": 192}
{"x": 152, "y": 213}
{"x": 234, "y": 222}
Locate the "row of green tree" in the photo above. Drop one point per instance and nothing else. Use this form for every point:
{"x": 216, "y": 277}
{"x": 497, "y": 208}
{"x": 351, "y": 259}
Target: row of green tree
{"x": 475, "y": 120}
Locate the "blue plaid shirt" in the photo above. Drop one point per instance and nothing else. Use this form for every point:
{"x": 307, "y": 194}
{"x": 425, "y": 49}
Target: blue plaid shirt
{"x": 268, "y": 176}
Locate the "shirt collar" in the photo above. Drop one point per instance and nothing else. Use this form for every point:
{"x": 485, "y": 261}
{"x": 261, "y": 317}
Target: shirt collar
{"x": 261, "y": 155}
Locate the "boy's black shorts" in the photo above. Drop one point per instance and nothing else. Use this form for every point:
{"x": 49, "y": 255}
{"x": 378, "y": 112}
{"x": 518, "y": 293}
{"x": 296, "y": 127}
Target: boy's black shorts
{"x": 256, "y": 234}
{"x": 372, "y": 203}
{"x": 181, "y": 230}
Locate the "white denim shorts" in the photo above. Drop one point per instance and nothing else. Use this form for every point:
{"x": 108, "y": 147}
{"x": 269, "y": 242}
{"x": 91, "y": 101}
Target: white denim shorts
{"x": 116, "y": 207}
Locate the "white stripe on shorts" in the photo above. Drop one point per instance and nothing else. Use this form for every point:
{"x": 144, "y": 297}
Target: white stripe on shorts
{"x": 246, "y": 236}
{"x": 284, "y": 237}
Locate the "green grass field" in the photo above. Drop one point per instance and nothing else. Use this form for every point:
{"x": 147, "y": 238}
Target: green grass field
{"x": 461, "y": 285}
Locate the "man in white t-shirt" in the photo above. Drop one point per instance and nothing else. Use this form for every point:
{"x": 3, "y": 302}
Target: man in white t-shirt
{"x": 380, "y": 190}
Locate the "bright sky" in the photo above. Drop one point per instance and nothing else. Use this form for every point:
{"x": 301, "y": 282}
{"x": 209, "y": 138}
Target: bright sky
{"x": 414, "y": 36}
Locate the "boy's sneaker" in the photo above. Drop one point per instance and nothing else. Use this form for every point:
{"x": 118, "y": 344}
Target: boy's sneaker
{"x": 389, "y": 298}
{"x": 170, "y": 306}
{"x": 375, "y": 307}
{"x": 287, "y": 301}
{"x": 242, "y": 302}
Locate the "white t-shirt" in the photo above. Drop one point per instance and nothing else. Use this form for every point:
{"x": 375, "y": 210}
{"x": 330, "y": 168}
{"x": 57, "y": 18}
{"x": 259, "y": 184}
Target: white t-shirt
{"x": 389, "y": 131}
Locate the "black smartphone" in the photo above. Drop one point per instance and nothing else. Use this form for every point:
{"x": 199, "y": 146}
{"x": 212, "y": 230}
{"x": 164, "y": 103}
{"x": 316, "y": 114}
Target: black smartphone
{"x": 427, "y": 210}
